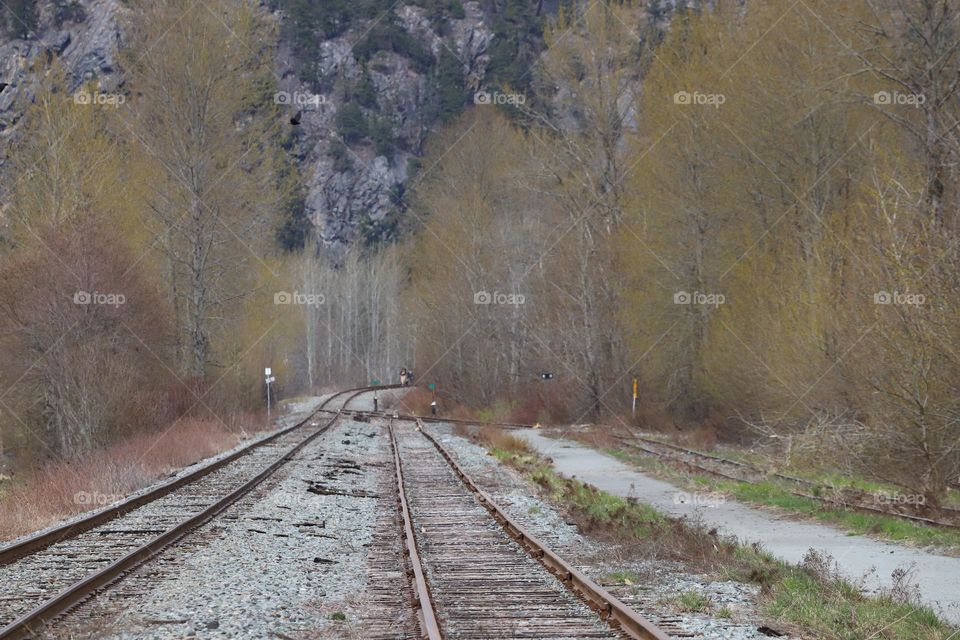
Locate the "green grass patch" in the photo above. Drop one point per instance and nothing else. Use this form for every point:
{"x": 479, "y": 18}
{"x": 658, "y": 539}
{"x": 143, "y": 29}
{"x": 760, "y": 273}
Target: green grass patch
{"x": 835, "y": 609}
{"x": 623, "y": 577}
{"x": 498, "y": 412}
{"x": 857, "y": 522}
{"x": 807, "y": 598}
{"x": 599, "y": 508}
{"x": 693, "y": 600}
{"x": 772, "y": 494}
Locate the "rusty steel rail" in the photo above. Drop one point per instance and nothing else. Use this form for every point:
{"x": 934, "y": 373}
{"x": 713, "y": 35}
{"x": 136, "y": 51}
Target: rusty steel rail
{"x": 736, "y": 463}
{"x": 607, "y": 606}
{"x": 29, "y": 624}
{"x": 425, "y": 610}
{"x": 639, "y": 442}
{"x": 438, "y": 420}
{"x": 32, "y": 544}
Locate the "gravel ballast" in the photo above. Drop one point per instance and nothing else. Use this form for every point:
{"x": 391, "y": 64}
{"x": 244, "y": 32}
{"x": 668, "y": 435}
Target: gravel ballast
{"x": 656, "y": 596}
{"x": 287, "y": 559}
{"x": 314, "y": 552}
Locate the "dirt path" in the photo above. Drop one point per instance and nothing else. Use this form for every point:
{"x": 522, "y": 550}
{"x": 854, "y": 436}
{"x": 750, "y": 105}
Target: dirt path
{"x": 863, "y": 560}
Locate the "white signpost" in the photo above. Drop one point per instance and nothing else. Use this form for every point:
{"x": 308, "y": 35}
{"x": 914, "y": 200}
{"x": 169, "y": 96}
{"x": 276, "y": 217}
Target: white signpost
{"x": 268, "y": 378}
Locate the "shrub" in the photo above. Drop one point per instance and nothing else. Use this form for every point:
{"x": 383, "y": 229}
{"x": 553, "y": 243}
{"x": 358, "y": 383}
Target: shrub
{"x": 381, "y": 132}
{"x": 20, "y": 17}
{"x": 341, "y": 157}
{"x": 389, "y": 35}
{"x": 83, "y": 338}
{"x": 351, "y": 124}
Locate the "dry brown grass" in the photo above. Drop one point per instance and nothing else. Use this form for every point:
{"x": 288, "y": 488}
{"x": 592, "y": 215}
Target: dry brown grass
{"x": 502, "y": 440}
{"x": 600, "y": 437}
{"x": 625, "y": 523}
{"x": 39, "y": 497}
{"x": 416, "y": 401}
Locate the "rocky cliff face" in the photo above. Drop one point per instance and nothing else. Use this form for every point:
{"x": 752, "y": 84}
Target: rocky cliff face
{"x": 359, "y": 181}
{"x": 356, "y": 149}
{"x": 84, "y": 36}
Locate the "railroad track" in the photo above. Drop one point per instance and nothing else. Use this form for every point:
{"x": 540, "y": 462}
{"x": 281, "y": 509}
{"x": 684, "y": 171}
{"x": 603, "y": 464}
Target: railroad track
{"x": 475, "y": 572}
{"x": 48, "y": 574}
{"x": 739, "y": 471}
{"x": 846, "y": 498}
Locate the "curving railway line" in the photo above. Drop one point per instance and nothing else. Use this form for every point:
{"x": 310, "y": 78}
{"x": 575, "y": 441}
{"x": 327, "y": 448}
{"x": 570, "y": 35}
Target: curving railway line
{"x": 48, "y": 574}
{"x": 698, "y": 461}
{"x": 845, "y": 498}
{"x": 477, "y": 574}
{"x": 472, "y": 571}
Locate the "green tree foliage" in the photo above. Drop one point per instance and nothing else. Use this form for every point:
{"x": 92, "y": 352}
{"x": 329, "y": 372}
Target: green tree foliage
{"x": 20, "y": 17}
{"x": 308, "y": 21}
{"x": 517, "y": 42}
{"x": 388, "y": 34}
{"x": 381, "y": 132}
{"x": 449, "y": 85}
{"x": 785, "y": 252}
{"x": 352, "y": 124}
{"x": 68, "y": 11}
{"x": 85, "y": 334}
{"x": 206, "y": 132}
{"x": 295, "y": 226}
{"x": 342, "y": 161}
{"x": 480, "y": 223}
{"x": 374, "y": 234}
{"x": 799, "y": 197}
{"x": 364, "y": 93}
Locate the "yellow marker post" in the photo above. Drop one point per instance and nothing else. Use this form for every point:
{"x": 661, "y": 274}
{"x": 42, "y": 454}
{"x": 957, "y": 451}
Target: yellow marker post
{"x": 635, "y": 385}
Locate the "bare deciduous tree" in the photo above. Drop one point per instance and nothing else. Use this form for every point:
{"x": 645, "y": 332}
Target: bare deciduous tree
{"x": 206, "y": 159}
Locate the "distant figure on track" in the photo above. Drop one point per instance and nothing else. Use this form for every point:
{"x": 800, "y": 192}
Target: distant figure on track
{"x": 406, "y": 377}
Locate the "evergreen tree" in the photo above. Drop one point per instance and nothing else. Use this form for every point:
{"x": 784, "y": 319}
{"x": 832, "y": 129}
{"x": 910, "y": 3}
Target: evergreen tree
{"x": 449, "y": 85}
{"x": 20, "y": 17}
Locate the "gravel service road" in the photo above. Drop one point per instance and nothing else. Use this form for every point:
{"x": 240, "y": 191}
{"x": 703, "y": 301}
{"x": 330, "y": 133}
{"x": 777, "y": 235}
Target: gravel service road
{"x": 863, "y": 560}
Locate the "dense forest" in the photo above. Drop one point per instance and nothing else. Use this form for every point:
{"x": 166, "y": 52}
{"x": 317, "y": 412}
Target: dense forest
{"x": 748, "y": 207}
